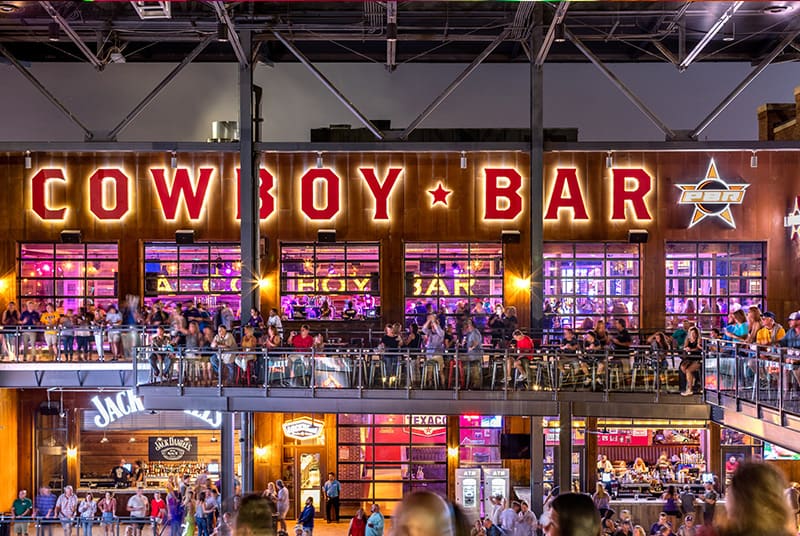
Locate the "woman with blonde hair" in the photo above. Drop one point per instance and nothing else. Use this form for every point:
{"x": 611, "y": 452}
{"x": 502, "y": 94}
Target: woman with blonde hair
{"x": 424, "y": 513}
{"x": 602, "y": 500}
{"x": 638, "y": 530}
{"x": 755, "y": 503}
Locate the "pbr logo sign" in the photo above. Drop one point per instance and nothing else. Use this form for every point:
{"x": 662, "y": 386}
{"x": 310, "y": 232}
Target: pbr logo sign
{"x": 712, "y": 196}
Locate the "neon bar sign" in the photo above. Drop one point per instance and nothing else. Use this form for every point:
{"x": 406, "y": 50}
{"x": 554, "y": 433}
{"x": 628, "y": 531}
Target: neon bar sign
{"x": 320, "y": 193}
{"x": 111, "y": 409}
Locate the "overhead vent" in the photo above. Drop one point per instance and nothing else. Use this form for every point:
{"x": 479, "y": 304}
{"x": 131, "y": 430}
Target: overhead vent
{"x": 152, "y": 10}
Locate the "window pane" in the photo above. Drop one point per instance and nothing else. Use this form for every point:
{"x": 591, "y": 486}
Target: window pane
{"x": 705, "y": 280}
{"x": 321, "y": 281}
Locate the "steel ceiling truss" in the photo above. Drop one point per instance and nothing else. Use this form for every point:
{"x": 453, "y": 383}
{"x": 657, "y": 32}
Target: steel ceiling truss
{"x": 233, "y": 37}
{"x": 74, "y": 37}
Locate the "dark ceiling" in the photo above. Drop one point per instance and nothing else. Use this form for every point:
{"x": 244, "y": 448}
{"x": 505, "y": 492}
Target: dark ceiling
{"x": 426, "y": 31}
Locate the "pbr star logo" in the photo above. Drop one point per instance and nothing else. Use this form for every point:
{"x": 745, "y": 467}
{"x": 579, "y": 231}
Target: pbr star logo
{"x": 792, "y": 221}
{"x": 712, "y": 196}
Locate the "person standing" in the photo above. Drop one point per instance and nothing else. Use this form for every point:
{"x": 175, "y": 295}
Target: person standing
{"x": 509, "y": 518}
{"x": 45, "y": 507}
{"x": 282, "y": 504}
{"x": 66, "y": 507}
{"x": 22, "y": 507}
{"x": 137, "y": 507}
{"x": 108, "y": 509}
{"x": 358, "y": 525}
{"x": 332, "y": 489}
{"x": 158, "y": 511}
{"x": 375, "y": 522}
{"x": 792, "y": 494}
{"x": 528, "y": 524}
{"x": 87, "y": 510}
{"x": 306, "y": 518}
{"x": 709, "y": 504}
{"x": 29, "y": 320}
{"x": 687, "y": 499}
{"x": 175, "y": 512}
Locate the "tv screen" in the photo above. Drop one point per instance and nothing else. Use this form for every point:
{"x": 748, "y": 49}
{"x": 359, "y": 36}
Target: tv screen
{"x": 708, "y": 478}
{"x": 213, "y": 468}
{"x": 515, "y": 446}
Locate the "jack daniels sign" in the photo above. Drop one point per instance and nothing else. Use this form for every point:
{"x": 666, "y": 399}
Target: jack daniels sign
{"x": 172, "y": 449}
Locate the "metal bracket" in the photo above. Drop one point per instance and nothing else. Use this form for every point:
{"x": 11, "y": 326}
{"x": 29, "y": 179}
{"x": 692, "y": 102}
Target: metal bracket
{"x": 82, "y": 375}
{"x": 39, "y": 376}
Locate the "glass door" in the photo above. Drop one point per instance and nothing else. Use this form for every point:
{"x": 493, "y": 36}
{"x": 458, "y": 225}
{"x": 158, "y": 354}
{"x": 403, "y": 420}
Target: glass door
{"x": 309, "y": 483}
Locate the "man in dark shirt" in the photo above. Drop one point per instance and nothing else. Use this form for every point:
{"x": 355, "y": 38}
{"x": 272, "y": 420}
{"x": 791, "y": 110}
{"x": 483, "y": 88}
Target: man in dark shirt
{"x": 349, "y": 312}
{"x": 709, "y": 504}
{"x": 622, "y": 339}
{"x": 120, "y": 475}
{"x": 29, "y": 319}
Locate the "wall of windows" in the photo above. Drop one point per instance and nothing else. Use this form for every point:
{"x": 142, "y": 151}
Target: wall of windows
{"x": 208, "y": 273}
{"x": 705, "y": 280}
{"x": 479, "y": 440}
{"x": 314, "y": 274}
{"x": 586, "y": 282}
{"x": 76, "y": 274}
{"x": 454, "y": 279}
{"x": 381, "y": 458}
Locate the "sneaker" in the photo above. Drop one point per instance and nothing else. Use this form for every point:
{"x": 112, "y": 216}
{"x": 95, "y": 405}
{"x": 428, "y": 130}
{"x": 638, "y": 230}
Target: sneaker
{"x": 688, "y": 392}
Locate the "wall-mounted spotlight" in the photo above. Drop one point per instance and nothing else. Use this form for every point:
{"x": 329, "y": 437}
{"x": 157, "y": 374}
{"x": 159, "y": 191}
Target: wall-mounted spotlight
{"x": 463, "y": 160}
{"x": 609, "y": 160}
{"x": 320, "y": 163}
{"x": 173, "y": 160}
{"x": 28, "y": 161}
{"x": 753, "y": 160}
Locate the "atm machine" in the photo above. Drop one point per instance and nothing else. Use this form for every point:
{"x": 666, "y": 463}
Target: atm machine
{"x": 468, "y": 492}
{"x": 496, "y": 481}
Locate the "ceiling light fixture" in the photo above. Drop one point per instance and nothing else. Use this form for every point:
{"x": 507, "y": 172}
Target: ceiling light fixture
{"x": 8, "y": 7}
{"x": 463, "y": 160}
{"x": 776, "y": 9}
{"x": 214, "y": 437}
{"x": 28, "y": 162}
{"x": 53, "y": 31}
{"x": 559, "y": 36}
{"x": 132, "y": 439}
{"x": 105, "y": 439}
{"x": 222, "y": 33}
{"x": 729, "y": 34}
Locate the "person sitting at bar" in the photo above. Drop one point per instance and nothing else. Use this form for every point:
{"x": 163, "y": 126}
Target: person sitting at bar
{"x": 594, "y": 350}
{"x": 160, "y": 361}
{"x": 248, "y": 344}
{"x": 523, "y": 358}
{"x": 639, "y": 467}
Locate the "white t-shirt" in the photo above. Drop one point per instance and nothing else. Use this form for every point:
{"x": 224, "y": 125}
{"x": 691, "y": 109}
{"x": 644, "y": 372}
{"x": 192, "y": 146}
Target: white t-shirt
{"x": 283, "y": 499}
{"x": 137, "y": 506}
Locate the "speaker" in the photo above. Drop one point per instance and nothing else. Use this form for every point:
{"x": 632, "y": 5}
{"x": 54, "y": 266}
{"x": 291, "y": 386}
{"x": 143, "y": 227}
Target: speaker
{"x": 637, "y": 236}
{"x": 327, "y": 236}
{"x": 510, "y": 237}
{"x": 70, "y": 237}
{"x": 184, "y": 236}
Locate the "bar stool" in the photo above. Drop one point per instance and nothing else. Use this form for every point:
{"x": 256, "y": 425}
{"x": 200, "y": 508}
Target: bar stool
{"x": 377, "y": 365}
{"x": 641, "y": 368}
{"x": 451, "y": 369}
{"x": 404, "y": 366}
{"x": 615, "y": 375}
{"x": 497, "y": 364}
{"x": 358, "y": 375}
{"x": 299, "y": 371}
{"x": 536, "y": 370}
{"x": 430, "y": 366}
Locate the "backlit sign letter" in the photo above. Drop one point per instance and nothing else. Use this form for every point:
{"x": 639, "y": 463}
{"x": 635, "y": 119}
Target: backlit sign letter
{"x": 266, "y": 182}
{"x": 566, "y": 194}
{"x": 307, "y": 187}
{"x": 507, "y": 194}
{"x": 620, "y": 194}
{"x": 97, "y": 203}
{"x": 381, "y": 192}
{"x": 39, "y": 194}
{"x": 181, "y": 188}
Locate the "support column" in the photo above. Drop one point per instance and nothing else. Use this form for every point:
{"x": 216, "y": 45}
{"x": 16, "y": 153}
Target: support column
{"x": 537, "y": 464}
{"x": 564, "y": 446}
{"x": 227, "y": 468}
{"x": 537, "y": 176}
{"x": 246, "y": 454}
{"x": 248, "y": 188}
{"x": 591, "y": 454}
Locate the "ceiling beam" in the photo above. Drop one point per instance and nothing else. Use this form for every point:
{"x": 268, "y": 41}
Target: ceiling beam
{"x": 549, "y": 37}
{"x": 242, "y": 56}
{"x": 328, "y": 84}
{"x": 74, "y": 37}
{"x": 710, "y": 34}
{"x": 787, "y": 40}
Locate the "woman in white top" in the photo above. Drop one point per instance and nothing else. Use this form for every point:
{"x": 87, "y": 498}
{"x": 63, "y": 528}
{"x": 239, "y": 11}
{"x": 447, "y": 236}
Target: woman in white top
{"x": 282, "y": 504}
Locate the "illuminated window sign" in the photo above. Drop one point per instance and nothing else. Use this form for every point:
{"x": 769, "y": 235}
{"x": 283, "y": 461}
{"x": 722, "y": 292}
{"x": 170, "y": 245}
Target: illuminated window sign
{"x": 71, "y": 276}
{"x": 330, "y": 281}
{"x": 587, "y": 282}
{"x": 455, "y": 280}
{"x": 207, "y": 273}
{"x": 707, "y": 280}
{"x": 385, "y": 457}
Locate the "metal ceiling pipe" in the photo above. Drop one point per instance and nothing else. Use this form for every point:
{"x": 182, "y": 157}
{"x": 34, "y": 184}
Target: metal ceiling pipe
{"x": 713, "y": 31}
{"x": 328, "y": 84}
